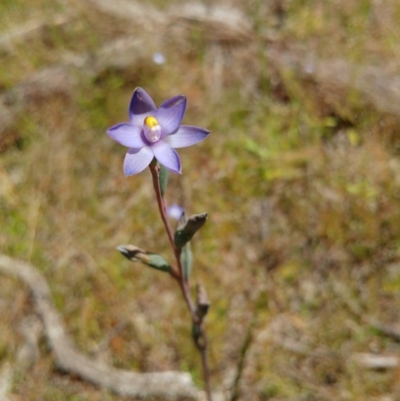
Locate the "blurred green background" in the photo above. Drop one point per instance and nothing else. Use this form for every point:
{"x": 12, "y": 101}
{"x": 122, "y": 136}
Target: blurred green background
{"x": 300, "y": 177}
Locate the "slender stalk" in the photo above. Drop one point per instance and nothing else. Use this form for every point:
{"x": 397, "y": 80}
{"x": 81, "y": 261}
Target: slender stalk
{"x": 180, "y": 278}
{"x": 185, "y": 287}
{"x": 205, "y": 365}
{"x": 155, "y": 172}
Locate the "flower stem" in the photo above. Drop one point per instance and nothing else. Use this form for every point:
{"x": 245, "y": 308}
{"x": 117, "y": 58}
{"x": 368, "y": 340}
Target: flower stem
{"x": 155, "y": 173}
{"x": 180, "y": 278}
{"x": 205, "y": 365}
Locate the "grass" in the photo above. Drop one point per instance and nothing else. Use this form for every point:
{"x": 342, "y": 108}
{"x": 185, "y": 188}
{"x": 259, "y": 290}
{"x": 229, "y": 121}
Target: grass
{"x": 300, "y": 180}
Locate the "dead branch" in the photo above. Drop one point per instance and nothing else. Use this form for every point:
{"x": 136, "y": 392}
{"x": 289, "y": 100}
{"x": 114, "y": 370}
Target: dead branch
{"x": 166, "y": 385}
{"x": 376, "y": 362}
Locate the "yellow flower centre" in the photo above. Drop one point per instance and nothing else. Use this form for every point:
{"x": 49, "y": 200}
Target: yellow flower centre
{"x": 151, "y": 121}
{"x": 151, "y": 128}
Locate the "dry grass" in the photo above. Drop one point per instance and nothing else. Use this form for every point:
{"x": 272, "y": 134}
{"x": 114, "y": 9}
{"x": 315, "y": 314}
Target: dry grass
{"x": 301, "y": 178}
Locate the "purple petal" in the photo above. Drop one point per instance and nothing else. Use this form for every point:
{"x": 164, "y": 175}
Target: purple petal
{"x": 136, "y": 160}
{"x": 127, "y": 135}
{"x": 141, "y": 104}
{"x": 187, "y": 135}
{"x": 167, "y": 156}
{"x": 170, "y": 114}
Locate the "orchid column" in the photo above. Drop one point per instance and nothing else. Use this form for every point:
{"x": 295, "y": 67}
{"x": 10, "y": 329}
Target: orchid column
{"x": 152, "y": 136}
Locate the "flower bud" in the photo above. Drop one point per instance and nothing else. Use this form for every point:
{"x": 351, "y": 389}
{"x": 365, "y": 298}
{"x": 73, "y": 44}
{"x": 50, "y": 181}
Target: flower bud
{"x": 185, "y": 232}
{"x": 153, "y": 260}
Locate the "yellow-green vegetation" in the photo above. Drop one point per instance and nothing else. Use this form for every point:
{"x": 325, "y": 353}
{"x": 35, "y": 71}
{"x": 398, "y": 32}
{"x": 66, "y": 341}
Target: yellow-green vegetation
{"x": 300, "y": 177}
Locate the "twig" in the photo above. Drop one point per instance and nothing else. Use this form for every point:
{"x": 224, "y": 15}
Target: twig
{"x": 206, "y": 369}
{"x": 166, "y": 385}
{"x": 376, "y": 362}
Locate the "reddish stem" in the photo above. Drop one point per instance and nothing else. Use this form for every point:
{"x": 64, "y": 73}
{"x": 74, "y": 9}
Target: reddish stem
{"x": 180, "y": 277}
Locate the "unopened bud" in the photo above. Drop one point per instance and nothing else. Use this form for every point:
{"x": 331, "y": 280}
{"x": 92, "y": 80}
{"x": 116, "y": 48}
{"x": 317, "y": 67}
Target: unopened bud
{"x": 185, "y": 232}
{"x": 150, "y": 259}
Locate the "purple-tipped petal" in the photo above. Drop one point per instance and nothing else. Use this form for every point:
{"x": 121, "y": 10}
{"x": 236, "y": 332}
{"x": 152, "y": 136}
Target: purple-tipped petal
{"x": 141, "y": 105}
{"x": 127, "y": 135}
{"x": 170, "y": 114}
{"x": 187, "y": 135}
{"x": 167, "y": 156}
{"x": 136, "y": 160}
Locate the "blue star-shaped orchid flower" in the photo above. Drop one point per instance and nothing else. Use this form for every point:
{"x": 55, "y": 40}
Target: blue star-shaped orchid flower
{"x": 155, "y": 133}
